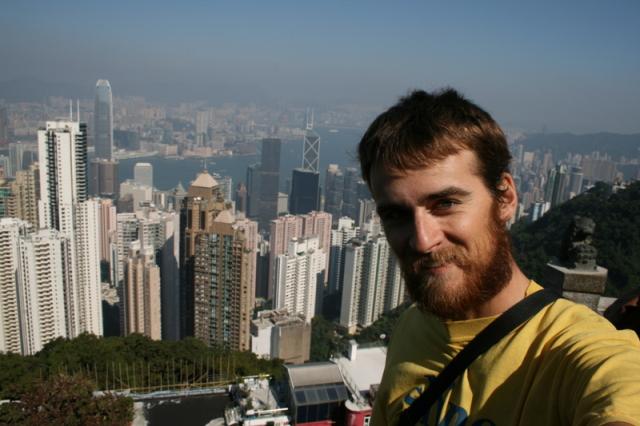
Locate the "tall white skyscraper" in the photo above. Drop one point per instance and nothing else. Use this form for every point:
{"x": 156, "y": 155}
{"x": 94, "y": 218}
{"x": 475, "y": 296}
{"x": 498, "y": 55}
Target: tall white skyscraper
{"x": 11, "y": 230}
{"x": 103, "y": 121}
{"x": 371, "y": 283}
{"x": 143, "y": 174}
{"x": 43, "y": 287}
{"x": 63, "y": 206}
{"x": 62, "y": 150}
{"x": 299, "y": 272}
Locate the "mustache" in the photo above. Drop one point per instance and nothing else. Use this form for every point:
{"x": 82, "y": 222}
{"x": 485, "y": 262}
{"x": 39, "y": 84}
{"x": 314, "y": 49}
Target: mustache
{"x": 437, "y": 258}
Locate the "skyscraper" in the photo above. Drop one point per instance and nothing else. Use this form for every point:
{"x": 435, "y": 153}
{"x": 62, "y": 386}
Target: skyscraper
{"x": 224, "y": 282}
{"x": 4, "y": 126}
{"x": 269, "y": 181}
{"x": 103, "y": 121}
{"x": 25, "y": 190}
{"x": 103, "y": 178}
{"x": 200, "y": 207}
{"x": 305, "y": 195}
{"x": 143, "y": 174}
{"x": 333, "y": 191}
{"x": 311, "y": 146}
{"x": 142, "y": 292}
{"x": 299, "y": 273}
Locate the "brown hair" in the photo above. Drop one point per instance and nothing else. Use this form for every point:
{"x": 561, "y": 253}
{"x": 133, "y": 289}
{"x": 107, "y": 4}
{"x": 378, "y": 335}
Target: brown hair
{"x": 423, "y": 128}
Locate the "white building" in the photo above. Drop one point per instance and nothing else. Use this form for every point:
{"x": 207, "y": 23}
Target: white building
{"x": 298, "y": 274}
{"x": 11, "y": 230}
{"x": 143, "y": 174}
{"x": 42, "y": 291}
{"x": 372, "y": 283}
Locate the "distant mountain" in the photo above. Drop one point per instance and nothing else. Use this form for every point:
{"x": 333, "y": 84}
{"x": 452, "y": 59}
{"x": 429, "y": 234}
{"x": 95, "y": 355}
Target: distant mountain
{"x": 616, "y": 237}
{"x": 28, "y": 89}
{"x": 561, "y": 143}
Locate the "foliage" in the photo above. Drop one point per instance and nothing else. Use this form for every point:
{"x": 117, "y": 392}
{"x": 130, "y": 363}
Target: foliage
{"x": 134, "y": 361}
{"x": 617, "y": 235}
{"x": 326, "y": 339}
{"x": 66, "y": 400}
{"x": 382, "y": 328}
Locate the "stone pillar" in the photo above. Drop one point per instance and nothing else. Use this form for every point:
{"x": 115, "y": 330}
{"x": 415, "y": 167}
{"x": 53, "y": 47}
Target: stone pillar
{"x": 578, "y": 285}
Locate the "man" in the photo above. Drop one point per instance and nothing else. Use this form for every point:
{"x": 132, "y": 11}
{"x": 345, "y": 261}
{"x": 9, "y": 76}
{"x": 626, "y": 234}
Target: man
{"x": 437, "y": 166}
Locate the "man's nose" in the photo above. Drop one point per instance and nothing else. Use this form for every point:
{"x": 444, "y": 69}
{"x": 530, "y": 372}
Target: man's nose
{"x": 427, "y": 233}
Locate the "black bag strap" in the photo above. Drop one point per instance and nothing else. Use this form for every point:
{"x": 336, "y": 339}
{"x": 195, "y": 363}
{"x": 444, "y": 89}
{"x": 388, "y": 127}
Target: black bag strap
{"x": 489, "y": 336}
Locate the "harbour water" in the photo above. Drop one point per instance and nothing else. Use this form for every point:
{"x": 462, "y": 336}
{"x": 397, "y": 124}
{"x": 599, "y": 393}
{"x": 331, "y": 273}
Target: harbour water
{"x": 335, "y": 148}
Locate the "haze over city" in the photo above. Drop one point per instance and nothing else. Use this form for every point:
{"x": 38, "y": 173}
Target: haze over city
{"x": 544, "y": 66}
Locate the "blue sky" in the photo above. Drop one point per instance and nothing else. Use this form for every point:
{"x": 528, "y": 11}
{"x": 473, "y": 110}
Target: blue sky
{"x": 573, "y": 66}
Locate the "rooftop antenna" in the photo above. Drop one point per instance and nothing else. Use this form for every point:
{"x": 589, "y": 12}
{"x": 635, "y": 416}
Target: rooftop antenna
{"x": 309, "y": 118}
{"x": 70, "y": 109}
{"x": 78, "y": 109}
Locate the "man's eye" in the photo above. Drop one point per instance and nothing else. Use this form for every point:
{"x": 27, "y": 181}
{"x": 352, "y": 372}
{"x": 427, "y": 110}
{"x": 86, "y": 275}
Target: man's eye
{"x": 445, "y": 204}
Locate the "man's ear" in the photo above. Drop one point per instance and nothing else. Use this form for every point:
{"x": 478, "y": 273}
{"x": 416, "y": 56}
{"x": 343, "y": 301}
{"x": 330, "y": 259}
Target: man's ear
{"x": 508, "y": 197}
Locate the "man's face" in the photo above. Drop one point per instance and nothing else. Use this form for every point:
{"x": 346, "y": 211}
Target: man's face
{"x": 448, "y": 232}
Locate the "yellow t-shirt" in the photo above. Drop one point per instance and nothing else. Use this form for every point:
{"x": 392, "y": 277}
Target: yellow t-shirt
{"x": 566, "y": 366}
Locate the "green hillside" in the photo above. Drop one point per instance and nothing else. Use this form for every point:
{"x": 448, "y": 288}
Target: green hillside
{"x": 617, "y": 235}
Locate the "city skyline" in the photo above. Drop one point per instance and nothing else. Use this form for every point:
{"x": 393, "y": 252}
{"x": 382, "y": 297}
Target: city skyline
{"x": 568, "y": 67}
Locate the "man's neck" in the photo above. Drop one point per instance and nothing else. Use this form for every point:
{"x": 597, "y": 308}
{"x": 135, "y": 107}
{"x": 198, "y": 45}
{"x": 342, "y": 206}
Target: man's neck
{"x": 511, "y": 294}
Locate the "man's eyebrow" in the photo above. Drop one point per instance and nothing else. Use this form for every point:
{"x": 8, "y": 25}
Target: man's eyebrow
{"x": 450, "y": 191}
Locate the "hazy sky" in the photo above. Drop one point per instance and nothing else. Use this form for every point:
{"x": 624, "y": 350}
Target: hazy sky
{"x": 563, "y": 66}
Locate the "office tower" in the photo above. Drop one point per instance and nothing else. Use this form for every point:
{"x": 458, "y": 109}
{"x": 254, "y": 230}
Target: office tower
{"x": 4, "y": 126}
{"x": 62, "y": 150}
{"x": 576, "y": 178}
{"x": 557, "y": 183}
{"x": 26, "y": 190}
{"x": 262, "y": 268}
{"x": 202, "y": 125}
{"x": 350, "y": 194}
{"x": 44, "y": 289}
{"x": 224, "y": 282}
{"x": 143, "y": 174}
{"x": 103, "y": 121}
{"x": 366, "y": 210}
{"x": 372, "y": 283}
{"x": 241, "y": 198}
{"x": 200, "y": 207}
{"x": 11, "y": 230}
{"x": 142, "y": 292}
{"x": 345, "y": 231}
{"x": 87, "y": 263}
{"x": 299, "y": 272}
{"x": 311, "y": 147}
{"x": 269, "y": 181}
{"x": 16, "y": 158}
{"x": 253, "y": 190}
{"x": 281, "y": 231}
{"x": 305, "y": 194}
{"x": 333, "y": 191}
{"x": 103, "y": 180}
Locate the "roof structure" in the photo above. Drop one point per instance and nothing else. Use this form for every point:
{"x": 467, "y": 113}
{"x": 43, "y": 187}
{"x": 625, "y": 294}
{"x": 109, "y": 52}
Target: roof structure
{"x": 225, "y": 216}
{"x": 205, "y": 180}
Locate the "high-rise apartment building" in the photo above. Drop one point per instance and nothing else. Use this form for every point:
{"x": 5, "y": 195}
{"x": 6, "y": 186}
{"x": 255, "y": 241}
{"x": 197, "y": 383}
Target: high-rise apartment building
{"x": 26, "y": 190}
{"x": 142, "y": 304}
{"x": 372, "y": 283}
{"x": 281, "y": 231}
{"x": 202, "y": 204}
{"x": 11, "y": 231}
{"x": 62, "y": 149}
{"x": 299, "y": 272}
{"x": 345, "y": 231}
{"x": 143, "y": 174}
{"x": 224, "y": 281}
{"x": 44, "y": 290}
{"x": 103, "y": 121}
{"x": 269, "y": 181}
{"x": 350, "y": 193}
